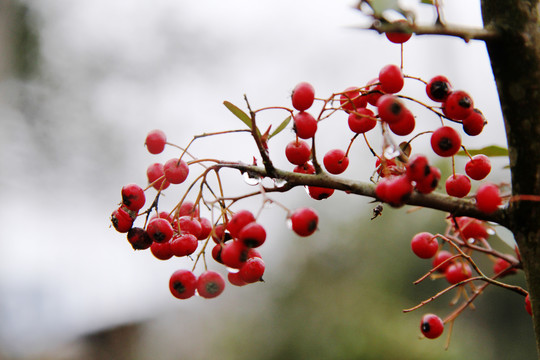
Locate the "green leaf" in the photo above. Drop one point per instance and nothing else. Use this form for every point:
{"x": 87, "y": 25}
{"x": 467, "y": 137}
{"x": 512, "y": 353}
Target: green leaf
{"x": 429, "y": 2}
{"x": 238, "y": 113}
{"x": 281, "y": 126}
{"x": 492, "y": 150}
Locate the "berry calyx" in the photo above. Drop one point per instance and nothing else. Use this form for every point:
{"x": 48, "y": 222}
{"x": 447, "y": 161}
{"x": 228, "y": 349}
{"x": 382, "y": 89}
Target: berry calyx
{"x": 305, "y": 125}
{"x": 155, "y": 141}
{"x": 176, "y": 171}
{"x": 458, "y": 185}
{"x": 431, "y": 326}
{"x": 335, "y": 161}
{"x": 424, "y": 245}
{"x": 133, "y": 197}
{"x": 488, "y": 198}
{"x": 304, "y": 221}
{"x": 182, "y": 284}
{"x": 478, "y": 167}
{"x": 445, "y": 141}
{"x": 391, "y": 79}
{"x": 210, "y": 284}
{"x": 303, "y": 96}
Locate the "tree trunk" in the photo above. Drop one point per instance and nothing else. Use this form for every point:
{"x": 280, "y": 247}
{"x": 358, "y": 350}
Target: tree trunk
{"x": 515, "y": 60}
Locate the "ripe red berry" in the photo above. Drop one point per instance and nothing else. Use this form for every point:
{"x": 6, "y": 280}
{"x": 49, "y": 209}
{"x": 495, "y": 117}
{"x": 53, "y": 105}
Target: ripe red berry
{"x": 252, "y": 235}
{"x": 405, "y": 125}
{"x": 398, "y": 37}
{"x": 159, "y": 230}
{"x": 391, "y": 79}
{"x": 424, "y": 245}
{"x": 438, "y": 88}
{"x": 386, "y": 167}
{"x": 431, "y": 326}
{"x": 362, "y": 120}
{"x": 138, "y": 238}
{"x": 176, "y": 171}
{"x": 206, "y": 228}
{"x": 458, "y": 105}
{"x": 352, "y": 100}
{"x": 303, "y": 96}
{"x": 488, "y": 198}
{"x": 458, "y": 185}
{"x": 394, "y": 190}
{"x": 471, "y": 228}
{"x": 188, "y": 225}
{"x": 374, "y": 91}
{"x": 155, "y": 141}
{"x": 155, "y": 172}
{"x": 478, "y": 167}
{"x": 417, "y": 168}
{"x": 220, "y": 235}
{"x": 133, "y": 197}
{"x": 430, "y": 182}
{"x": 210, "y": 284}
{"x": 253, "y": 270}
{"x": 182, "y": 284}
{"x": 234, "y": 254}
{"x": 528, "y": 307}
{"x": 390, "y": 108}
{"x": 440, "y": 258}
{"x": 238, "y": 221}
{"x": 304, "y": 221}
{"x": 319, "y": 193}
{"x": 504, "y": 267}
{"x": 298, "y": 152}
{"x": 183, "y": 244}
{"x": 305, "y": 125}
{"x": 335, "y": 161}
{"x": 457, "y": 272}
{"x": 161, "y": 251}
{"x": 235, "y": 279}
{"x": 188, "y": 208}
{"x": 445, "y": 141}
{"x": 121, "y": 220}
{"x": 474, "y": 123}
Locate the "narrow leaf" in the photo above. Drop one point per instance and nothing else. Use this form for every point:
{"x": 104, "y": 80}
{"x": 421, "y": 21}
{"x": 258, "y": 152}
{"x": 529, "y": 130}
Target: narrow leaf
{"x": 281, "y": 126}
{"x": 492, "y": 150}
{"x": 429, "y": 2}
{"x": 238, "y": 113}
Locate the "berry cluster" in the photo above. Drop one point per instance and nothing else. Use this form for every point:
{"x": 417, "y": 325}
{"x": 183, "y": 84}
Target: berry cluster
{"x": 377, "y": 108}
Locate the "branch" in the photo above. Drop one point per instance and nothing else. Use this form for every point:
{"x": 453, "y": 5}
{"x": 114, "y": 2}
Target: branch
{"x": 452, "y": 205}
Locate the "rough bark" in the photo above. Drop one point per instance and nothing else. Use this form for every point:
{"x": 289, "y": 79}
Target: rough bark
{"x": 515, "y": 60}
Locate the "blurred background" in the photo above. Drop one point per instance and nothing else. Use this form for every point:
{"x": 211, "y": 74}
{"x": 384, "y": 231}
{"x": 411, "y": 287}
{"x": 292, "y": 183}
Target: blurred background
{"x": 82, "y": 82}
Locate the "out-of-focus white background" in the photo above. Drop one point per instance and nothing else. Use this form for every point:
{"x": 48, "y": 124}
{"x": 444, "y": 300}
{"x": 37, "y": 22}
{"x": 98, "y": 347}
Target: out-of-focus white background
{"x": 110, "y": 71}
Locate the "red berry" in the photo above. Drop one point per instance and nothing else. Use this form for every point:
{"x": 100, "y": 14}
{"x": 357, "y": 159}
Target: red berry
{"x": 474, "y": 123}
{"x": 319, "y": 193}
{"x": 398, "y": 37}
{"x": 159, "y": 230}
{"x": 210, "y": 284}
{"x": 305, "y": 168}
{"x": 374, "y": 91}
{"x": 303, "y": 96}
{"x": 305, "y": 125}
{"x": 155, "y": 141}
{"x": 161, "y": 251}
{"x": 121, "y": 220}
{"x": 478, "y": 167}
{"x": 304, "y": 221}
{"x": 138, "y": 238}
{"x": 418, "y": 168}
{"x": 163, "y": 215}
{"x": 457, "y": 272}
{"x": 362, "y": 120}
{"x": 390, "y": 108}
{"x": 238, "y": 221}
{"x": 235, "y": 279}
{"x": 405, "y": 125}
{"x": 298, "y": 152}
{"x": 352, "y": 100}
{"x": 133, "y": 197}
{"x": 430, "y": 182}
{"x": 458, "y": 185}
{"x": 458, "y": 105}
{"x": 391, "y": 79}
{"x": 182, "y": 284}
{"x": 234, "y": 254}
{"x": 504, "y": 267}
{"x": 155, "y": 172}
{"x": 438, "y": 88}
{"x": 445, "y": 141}
{"x": 471, "y": 228}
{"x": 188, "y": 208}
{"x": 431, "y": 326}
{"x": 394, "y": 190}
{"x": 253, "y": 270}
{"x": 335, "y": 161}
{"x": 176, "y": 171}
{"x": 220, "y": 235}
{"x": 183, "y": 244}
{"x": 528, "y": 307}
{"x": 488, "y": 198}
{"x": 206, "y": 228}
{"x": 188, "y": 225}
{"x": 252, "y": 235}
{"x": 440, "y": 258}
{"x": 424, "y": 245}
